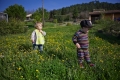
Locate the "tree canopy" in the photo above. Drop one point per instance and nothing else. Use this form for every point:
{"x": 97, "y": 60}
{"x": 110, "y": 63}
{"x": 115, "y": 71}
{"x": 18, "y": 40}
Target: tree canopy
{"x": 39, "y": 13}
{"x": 16, "y": 11}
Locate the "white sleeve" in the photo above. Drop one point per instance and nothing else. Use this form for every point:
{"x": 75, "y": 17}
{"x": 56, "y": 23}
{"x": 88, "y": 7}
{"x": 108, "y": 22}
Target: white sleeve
{"x": 44, "y": 33}
{"x": 33, "y": 36}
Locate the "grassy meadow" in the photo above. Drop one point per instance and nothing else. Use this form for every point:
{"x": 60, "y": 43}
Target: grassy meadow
{"x": 59, "y": 60}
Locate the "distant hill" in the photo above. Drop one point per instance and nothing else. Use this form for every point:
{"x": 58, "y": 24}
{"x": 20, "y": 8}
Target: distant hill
{"x": 84, "y": 7}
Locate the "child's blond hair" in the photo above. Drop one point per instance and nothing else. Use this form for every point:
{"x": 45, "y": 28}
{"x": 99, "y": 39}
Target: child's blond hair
{"x": 36, "y": 24}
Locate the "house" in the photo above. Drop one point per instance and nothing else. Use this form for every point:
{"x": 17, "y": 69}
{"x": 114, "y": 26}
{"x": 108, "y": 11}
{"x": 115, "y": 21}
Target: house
{"x": 28, "y": 16}
{"x": 98, "y": 14}
{"x": 3, "y": 16}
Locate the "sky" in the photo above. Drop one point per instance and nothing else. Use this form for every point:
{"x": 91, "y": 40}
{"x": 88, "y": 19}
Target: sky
{"x": 48, "y": 4}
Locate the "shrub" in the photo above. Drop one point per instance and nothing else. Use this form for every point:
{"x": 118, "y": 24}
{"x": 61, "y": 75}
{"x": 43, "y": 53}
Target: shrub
{"x": 12, "y": 27}
{"x": 113, "y": 29}
{"x": 110, "y": 27}
{"x": 68, "y": 24}
{"x": 104, "y": 22}
{"x": 55, "y": 21}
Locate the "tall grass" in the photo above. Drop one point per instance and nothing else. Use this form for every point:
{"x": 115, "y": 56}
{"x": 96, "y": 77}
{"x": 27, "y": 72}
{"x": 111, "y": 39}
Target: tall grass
{"x": 58, "y": 61}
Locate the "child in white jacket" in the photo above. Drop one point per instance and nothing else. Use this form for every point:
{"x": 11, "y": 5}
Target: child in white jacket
{"x": 37, "y": 37}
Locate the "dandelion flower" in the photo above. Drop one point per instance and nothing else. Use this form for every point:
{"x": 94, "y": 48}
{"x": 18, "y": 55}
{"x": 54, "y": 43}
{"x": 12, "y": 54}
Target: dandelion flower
{"x": 19, "y": 68}
{"x": 37, "y": 70}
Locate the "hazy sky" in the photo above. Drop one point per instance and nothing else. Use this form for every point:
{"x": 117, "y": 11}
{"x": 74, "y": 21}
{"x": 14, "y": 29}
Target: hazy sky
{"x": 48, "y": 4}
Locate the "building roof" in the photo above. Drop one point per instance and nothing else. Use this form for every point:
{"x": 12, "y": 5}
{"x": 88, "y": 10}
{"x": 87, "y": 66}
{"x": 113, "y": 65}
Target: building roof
{"x": 104, "y": 12}
{"x": 29, "y": 15}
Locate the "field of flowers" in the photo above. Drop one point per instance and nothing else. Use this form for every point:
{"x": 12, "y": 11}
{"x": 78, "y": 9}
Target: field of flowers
{"x": 58, "y": 61}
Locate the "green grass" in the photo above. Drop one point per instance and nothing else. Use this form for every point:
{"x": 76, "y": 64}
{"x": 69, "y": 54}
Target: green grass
{"x": 59, "y": 59}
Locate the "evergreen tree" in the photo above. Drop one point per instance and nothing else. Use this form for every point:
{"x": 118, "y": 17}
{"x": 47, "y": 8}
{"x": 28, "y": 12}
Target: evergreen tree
{"x": 75, "y": 13}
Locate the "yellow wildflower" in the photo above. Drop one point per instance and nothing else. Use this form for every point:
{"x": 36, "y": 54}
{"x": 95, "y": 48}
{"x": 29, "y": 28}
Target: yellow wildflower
{"x": 37, "y": 70}
{"x": 19, "y": 68}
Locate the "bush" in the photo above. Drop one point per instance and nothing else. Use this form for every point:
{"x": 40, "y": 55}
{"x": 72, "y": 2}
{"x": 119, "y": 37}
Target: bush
{"x": 113, "y": 29}
{"x": 110, "y": 27}
{"x": 68, "y": 24}
{"x": 12, "y": 27}
{"x": 55, "y": 21}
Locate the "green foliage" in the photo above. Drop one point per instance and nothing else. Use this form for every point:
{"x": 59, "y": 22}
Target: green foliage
{"x": 113, "y": 29}
{"x": 48, "y": 24}
{"x": 12, "y": 27}
{"x": 38, "y": 14}
{"x": 104, "y": 22}
{"x": 55, "y": 21}
{"x": 63, "y": 11}
{"x": 109, "y": 26}
{"x": 78, "y": 8}
{"x": 51, "y": 70}
{"x": 69, "y": 24}
{"x": 59, "y": 60}
{"x": 37, "y": 18}
{"x": 16, "y": 11}
{"x": 75, "y": 13}
{"x": 60, "y": 18}
{"x": 68, "y": 18}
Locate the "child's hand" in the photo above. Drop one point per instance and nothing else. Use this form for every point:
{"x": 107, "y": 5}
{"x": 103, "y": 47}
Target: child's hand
{"x": 77, "y": 45}
{"x": 32, "y": 41}
{"x": 41, "y": 31}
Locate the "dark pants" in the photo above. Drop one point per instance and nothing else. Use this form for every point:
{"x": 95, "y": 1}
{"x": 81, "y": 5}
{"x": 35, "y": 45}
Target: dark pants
{"x": 40, "y": 47}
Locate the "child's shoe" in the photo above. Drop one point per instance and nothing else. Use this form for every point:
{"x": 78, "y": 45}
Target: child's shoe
{"x": 81, "y": 65}
{"x": 91, "y": 64}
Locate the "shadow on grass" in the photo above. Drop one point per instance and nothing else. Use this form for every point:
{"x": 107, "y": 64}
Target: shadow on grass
{"x": 110, "y": 38}
{"x": 30, "y": 26}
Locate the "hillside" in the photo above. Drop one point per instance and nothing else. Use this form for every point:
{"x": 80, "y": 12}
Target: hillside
{"x": 80, "y": 10}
